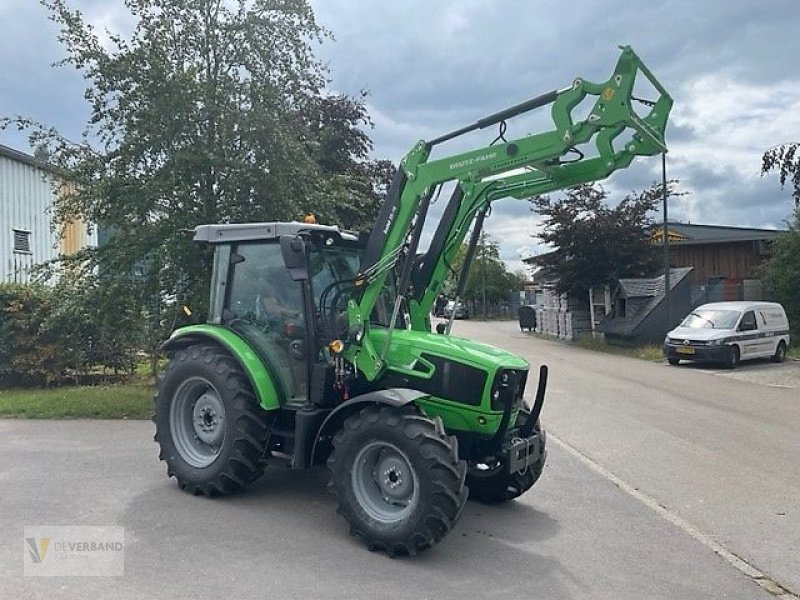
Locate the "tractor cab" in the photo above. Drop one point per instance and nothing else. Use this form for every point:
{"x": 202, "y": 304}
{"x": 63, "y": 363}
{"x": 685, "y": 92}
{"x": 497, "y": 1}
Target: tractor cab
{"x": 284, "y": 288}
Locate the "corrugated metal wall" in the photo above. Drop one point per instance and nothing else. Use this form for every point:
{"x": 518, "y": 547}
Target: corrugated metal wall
{"x": 25, "y": 199}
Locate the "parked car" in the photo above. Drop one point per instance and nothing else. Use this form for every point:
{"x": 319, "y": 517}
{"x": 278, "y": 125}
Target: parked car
{"x": 727, "y": 332}
{"x": 461, "y": 311}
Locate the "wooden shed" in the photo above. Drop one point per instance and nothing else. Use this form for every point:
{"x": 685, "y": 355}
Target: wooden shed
{"x": 718, "y": 252}
{"x": 638, "y": 309}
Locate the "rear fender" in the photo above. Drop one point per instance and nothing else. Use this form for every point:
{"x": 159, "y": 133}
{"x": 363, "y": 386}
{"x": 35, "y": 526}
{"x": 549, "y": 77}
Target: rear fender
{"x": 257, "y": 372}
{"x": 389, "y": 397}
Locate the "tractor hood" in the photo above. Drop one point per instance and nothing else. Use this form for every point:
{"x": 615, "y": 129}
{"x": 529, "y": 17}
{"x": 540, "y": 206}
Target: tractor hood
{"x": 407, "y": 346}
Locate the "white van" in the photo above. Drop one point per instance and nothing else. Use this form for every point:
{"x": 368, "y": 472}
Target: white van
{"x": 728, "y": 332}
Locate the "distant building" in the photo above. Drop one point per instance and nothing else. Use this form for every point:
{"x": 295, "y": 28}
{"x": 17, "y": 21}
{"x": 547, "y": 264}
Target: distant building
{"x": 718, "y": 252}
{"x": 27, "y": 235}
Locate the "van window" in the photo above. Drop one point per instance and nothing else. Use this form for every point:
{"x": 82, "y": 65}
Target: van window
{"x": 748, "y": 322}
{"x": 711, "y": 319}
{"x": 763, "y": 319}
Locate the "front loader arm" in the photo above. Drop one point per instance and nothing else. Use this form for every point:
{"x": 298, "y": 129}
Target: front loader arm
{"x": 521, "y": 168}
{"x": 474, "y": 197}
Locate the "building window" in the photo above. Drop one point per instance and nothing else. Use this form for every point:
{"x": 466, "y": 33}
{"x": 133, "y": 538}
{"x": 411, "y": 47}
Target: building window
{"x": 22, "y": 241}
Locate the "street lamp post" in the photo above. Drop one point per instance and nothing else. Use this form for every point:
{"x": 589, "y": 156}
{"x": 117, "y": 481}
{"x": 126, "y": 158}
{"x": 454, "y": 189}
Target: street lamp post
{"x": 666, "y": 241}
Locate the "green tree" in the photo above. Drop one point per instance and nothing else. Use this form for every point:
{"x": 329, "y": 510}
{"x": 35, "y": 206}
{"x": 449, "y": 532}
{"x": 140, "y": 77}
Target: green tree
{"x": 782, "y": 271}
{"x": 487, "y": 275}
{"x": 210, "y": 111}
{"x": 594, "y": 243}
{"x": 786, "y": 161}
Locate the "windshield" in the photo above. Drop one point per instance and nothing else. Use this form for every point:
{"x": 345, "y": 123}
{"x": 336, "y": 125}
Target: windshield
{"x": 711, "y": 319}
{"x": 333, "y": 271}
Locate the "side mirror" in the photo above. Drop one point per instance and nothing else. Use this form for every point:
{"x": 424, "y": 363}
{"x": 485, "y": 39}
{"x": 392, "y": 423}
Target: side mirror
{"x": 441, "y": 328}
{"x": 293, "y": 250}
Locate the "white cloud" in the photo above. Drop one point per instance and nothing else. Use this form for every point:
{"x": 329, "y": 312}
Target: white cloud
{"x": 109, "y": 18}
{"x": 733, "y": 122}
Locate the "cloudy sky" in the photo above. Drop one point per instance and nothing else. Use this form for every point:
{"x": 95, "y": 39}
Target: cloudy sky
{"x": 431, "y": 67}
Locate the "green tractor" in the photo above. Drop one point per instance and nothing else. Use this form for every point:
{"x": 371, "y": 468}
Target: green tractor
{"x": 318, "y": 345}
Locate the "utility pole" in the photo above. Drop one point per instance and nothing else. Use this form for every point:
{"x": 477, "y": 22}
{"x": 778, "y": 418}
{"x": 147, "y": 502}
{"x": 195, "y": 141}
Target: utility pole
{"x": 666, "y": 242}
{"x": 483, "y": 253}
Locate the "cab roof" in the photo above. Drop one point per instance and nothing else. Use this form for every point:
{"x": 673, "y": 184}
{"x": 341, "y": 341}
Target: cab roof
{"x": 249, "y": 232}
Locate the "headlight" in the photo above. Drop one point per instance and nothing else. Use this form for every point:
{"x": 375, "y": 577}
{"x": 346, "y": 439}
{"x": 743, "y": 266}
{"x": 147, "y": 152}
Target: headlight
{"x": 667, "y": 340}
{"x": 715, "y": 342}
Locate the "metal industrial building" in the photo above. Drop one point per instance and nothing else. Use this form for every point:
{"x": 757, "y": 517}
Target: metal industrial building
{"x": 27, "y": 236}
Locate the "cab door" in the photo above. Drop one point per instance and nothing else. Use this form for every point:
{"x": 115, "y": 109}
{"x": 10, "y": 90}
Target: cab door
{"x": 266, "y": 307}
{"x": 748, "y": 335}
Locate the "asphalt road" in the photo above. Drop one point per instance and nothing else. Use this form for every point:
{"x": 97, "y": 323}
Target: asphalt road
{"x": 720, "y": 449}
{"x": 719, "y": 454}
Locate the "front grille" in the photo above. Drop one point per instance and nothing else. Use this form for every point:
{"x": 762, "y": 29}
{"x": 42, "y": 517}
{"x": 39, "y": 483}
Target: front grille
{"x": 682, "y": 342}
{"x": 450, "y": 380}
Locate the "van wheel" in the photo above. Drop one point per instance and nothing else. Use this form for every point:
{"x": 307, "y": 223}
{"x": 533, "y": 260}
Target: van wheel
{"x": 733, "y": 357}
{"x": 674, "y": 361}
{"x": 780, "y": 352}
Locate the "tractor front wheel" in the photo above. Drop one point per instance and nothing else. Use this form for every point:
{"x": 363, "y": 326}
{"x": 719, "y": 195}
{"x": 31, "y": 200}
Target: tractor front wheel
{"x": 211, "y": 431}
{"x": 397, "y": 478}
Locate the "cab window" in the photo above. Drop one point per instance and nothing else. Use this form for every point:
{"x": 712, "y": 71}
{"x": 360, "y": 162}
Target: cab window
{"x": 748, "y": 322}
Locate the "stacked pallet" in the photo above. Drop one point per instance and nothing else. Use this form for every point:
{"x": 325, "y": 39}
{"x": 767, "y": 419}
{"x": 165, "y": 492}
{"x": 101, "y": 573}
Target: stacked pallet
{"x": 561, "y": 316}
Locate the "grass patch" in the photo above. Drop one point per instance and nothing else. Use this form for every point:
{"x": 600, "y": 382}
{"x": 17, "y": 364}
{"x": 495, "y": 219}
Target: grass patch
{"x": 650, "y": 352}
{"x": 131, "y": 401}
{"x": 793, "y": 352}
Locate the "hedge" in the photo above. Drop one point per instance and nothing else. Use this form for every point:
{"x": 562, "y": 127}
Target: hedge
{"x": 51, "y": 334}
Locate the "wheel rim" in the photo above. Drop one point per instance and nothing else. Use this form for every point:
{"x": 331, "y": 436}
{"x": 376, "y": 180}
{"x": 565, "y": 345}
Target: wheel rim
{"x": 734, "y": 356}
{"x": 781, "y": 351}
{"x": 384, "y": 482}
{"x": 197, "y": 422}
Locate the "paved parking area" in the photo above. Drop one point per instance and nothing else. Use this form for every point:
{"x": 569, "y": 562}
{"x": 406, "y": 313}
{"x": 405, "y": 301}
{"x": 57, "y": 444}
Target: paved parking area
{"x": 576, "y": 536}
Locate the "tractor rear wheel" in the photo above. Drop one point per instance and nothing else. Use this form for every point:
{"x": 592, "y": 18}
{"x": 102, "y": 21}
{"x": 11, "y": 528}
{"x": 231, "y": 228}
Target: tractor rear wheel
{"x": 211, "y": 431}
{"x": 397, "y": 478}
{"x": 490, "y": 481}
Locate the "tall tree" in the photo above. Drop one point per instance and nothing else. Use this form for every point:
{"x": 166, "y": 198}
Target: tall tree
{"x": 782, "y": 271}
{"x": 487, "y": 275}
{"x": 595, "y": 243}
{"x": 210, "y": 111}
{"x": 786, "y": 161}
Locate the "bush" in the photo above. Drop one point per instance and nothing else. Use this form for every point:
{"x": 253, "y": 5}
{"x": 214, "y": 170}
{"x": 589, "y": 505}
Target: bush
{"x": 24, "y": 353}
{"x": 782, "y": 272}
{"x": 70, "y": 330}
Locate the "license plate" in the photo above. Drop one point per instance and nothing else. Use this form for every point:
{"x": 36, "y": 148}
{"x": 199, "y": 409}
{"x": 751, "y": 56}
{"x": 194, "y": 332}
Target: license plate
{"x": 684, "y": 350}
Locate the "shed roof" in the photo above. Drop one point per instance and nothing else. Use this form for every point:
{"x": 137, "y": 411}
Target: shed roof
{"x": 688, "y": 234}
